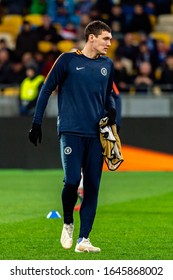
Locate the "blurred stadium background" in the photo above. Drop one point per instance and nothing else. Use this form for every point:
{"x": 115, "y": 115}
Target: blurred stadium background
{"x": 137, "y": 198}
{"x": 146, "y": 117}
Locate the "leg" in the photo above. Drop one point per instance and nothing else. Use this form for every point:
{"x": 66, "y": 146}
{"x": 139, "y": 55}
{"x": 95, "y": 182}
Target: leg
{"x": 71, "y": 156}
{"x": 80, "y": 194}
{"x": 92, "y": 170}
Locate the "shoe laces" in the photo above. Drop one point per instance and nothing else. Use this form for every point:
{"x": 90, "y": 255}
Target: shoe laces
{"x": 69, "y": 229}
{"x": 87, "y": 241}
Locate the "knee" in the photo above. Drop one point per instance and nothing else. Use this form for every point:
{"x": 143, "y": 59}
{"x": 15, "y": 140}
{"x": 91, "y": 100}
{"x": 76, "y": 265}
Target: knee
{"x": 72, "y": 183}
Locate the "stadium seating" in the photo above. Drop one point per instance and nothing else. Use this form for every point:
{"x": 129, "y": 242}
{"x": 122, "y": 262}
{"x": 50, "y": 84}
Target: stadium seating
{"x": 112, "y": 48}
{"x": 153, "y": 21}
{"x": 44, "y": 46}
{"x": 165, "y": 19}
{"x": 34, "y": 19}
{"x": 161, "y": 36}
{"x": 12, "y": 20}
{"x": 11, "y": 24}
{"x": 11, "y": 91}
{"x": 65, "y": 45}
{"x": 165, "y": 24}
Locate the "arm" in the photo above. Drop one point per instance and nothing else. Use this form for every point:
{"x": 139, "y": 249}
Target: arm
{"x": 110, "y": 100}
{"x": 118, "y": 104}
{"x": 118, "y": 110}
{"x": 55, "y": 77}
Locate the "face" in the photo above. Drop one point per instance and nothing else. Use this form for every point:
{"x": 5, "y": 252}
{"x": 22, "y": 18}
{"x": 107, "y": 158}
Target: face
{"x": 101, "y": 43}
{"x": 30, "y": 73}
{"x": 169, "y": 62}
{"x": 145, "y": 68}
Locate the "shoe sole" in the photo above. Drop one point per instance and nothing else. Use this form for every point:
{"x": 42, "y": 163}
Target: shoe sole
{"x": 86, "y": 251}
{"x": 66, "y": 247}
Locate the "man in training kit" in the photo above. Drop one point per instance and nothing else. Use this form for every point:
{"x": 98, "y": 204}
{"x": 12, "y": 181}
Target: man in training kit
{"x": 84, "y": 79}
{"x": 118, "y": 126}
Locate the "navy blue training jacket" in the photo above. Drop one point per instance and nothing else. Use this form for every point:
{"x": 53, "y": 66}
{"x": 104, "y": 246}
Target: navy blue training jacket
{"x": 84, "y": 92}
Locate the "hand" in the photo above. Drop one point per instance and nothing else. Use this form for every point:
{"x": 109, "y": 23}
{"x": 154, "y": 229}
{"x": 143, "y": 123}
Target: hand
{"x": 111, "y": 116}
{"x": 35, "y": 134}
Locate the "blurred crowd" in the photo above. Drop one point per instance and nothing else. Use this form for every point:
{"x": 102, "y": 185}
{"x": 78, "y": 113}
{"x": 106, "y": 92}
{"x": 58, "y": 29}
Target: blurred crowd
{"x": 142, "y": 63}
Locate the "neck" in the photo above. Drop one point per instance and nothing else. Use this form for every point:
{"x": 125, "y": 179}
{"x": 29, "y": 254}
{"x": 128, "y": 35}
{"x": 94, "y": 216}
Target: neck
{"x": 89, "y": 52}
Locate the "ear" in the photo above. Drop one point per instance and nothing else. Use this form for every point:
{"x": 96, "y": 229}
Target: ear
{"x": 91, "y": 37}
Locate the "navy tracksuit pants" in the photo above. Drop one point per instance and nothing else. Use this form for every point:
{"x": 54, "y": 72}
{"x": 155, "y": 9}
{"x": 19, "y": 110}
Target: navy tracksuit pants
{"x": 78, "y": 152}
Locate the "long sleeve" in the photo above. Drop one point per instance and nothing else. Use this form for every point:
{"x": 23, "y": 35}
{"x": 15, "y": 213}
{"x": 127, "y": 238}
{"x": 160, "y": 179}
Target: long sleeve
{"x": 110, "y": 101}
{"x": 53, "y": 79}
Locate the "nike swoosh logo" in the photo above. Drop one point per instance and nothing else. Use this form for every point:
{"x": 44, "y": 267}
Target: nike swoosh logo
{"x": 79, "y": 68}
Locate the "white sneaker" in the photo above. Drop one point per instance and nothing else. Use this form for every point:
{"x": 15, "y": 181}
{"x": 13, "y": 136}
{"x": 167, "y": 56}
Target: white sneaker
{"x": 86, "y": 246}
{"x": 67, "y": 236}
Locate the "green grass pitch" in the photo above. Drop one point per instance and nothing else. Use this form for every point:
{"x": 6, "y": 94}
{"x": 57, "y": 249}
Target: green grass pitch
{"x": 134, "y": 219}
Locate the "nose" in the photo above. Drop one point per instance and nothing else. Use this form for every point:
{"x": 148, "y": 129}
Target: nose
{"x": 109, "y": 43}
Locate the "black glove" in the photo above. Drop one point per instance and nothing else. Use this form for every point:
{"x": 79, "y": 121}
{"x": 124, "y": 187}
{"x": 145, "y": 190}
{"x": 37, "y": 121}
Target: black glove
{"x": 35, "y": 134}
{"x": 111, "y": 116}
